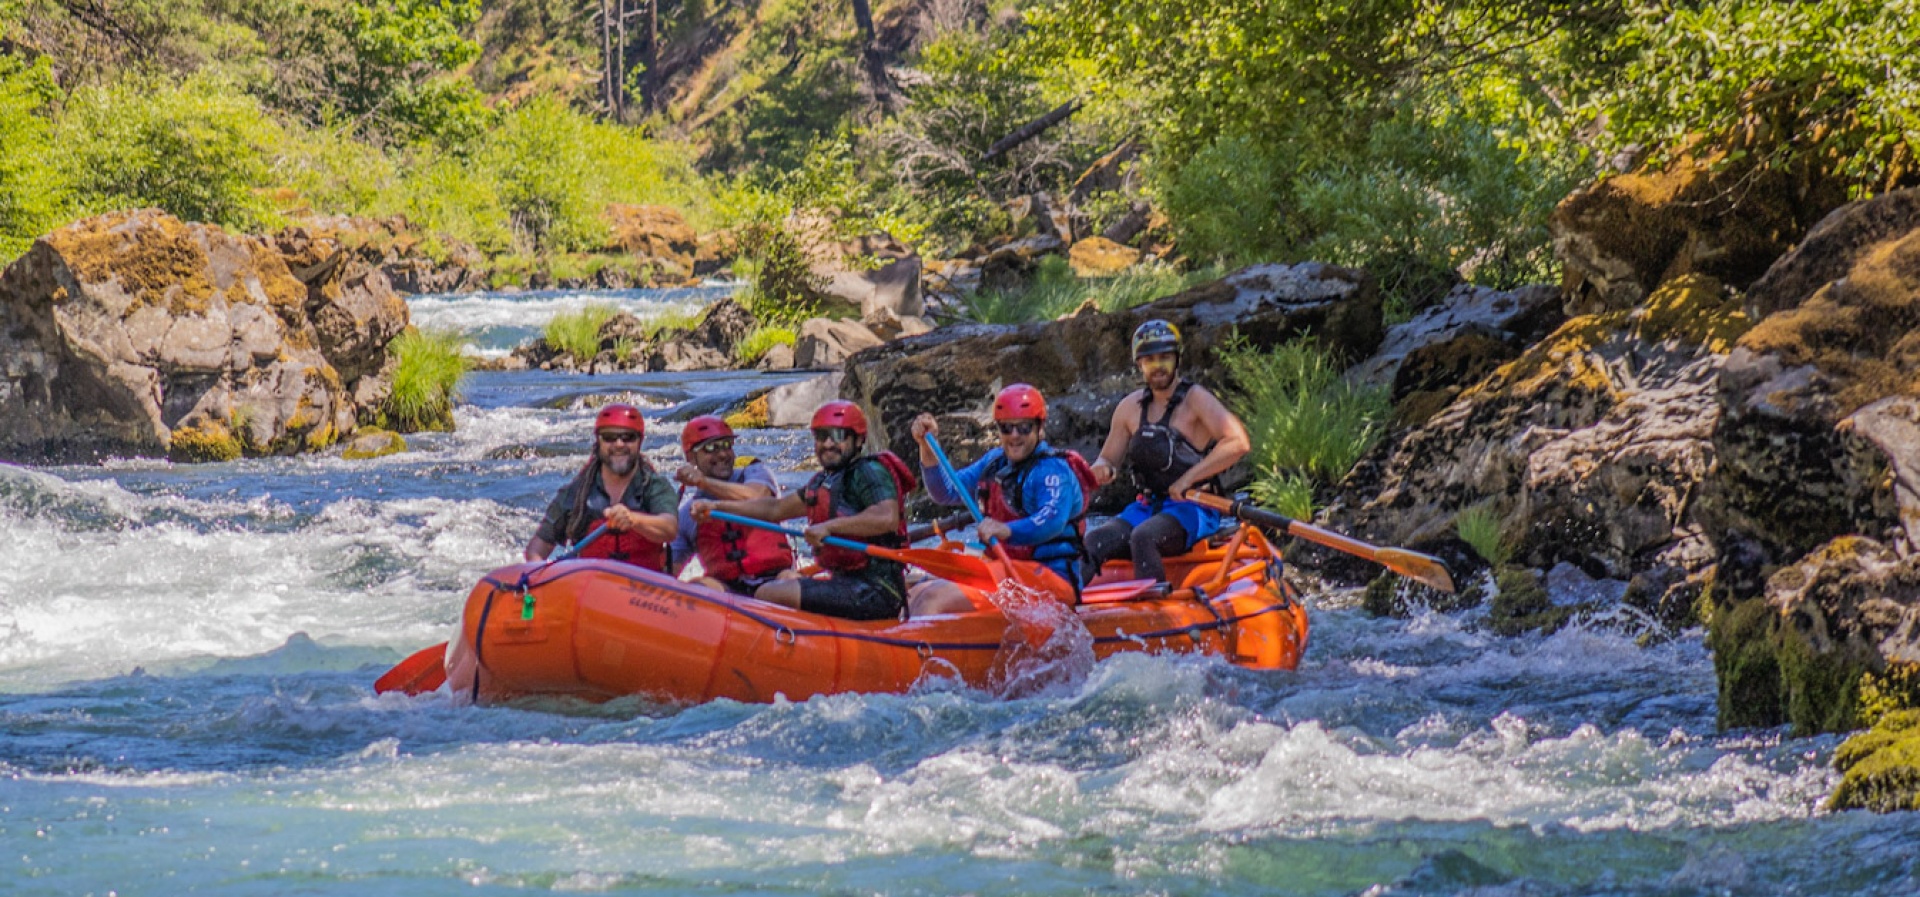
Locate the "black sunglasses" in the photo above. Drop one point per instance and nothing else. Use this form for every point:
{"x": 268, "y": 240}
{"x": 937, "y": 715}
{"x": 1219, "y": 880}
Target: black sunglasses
{"x": 832, "y": 434}
{"x": 714, "y": 446}
{"x": 621, "y": 436}
{"x": 1021, "y": 427}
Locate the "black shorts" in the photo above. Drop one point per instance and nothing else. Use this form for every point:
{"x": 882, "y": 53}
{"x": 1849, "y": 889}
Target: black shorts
{"x": 851, "y": 598}
{"x": 746, "y": 585}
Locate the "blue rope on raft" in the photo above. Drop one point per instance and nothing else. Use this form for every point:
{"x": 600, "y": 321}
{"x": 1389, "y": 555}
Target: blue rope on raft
{"x": 1282, "y": 603}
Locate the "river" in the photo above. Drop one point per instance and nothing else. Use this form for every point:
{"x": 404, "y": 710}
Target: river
{"x": 187, "y": 654}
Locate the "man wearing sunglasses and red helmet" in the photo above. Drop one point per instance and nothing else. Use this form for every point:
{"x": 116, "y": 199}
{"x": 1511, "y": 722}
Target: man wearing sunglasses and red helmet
{"x": 639, "y": 524}
{"x": 736, "y": 558}
{"x": 855, "y": 496}
{"x": 1031, "y": 493}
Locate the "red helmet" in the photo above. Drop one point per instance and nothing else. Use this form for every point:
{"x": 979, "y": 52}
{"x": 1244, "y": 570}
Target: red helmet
{"x": 620, "y": 416}
{"x": 1020, "y": 402}
{"x": 841, "y": 413}
{"x": 701, "y": 429}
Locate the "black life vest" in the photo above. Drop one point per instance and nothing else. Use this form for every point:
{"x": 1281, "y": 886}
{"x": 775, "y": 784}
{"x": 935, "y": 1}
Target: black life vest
{"x": 1159, "y": 454}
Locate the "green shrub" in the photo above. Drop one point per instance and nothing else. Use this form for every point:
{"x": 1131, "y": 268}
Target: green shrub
{"x": 335, "y": 173}
{"x": 444, "y": 192}
{"x": 783, "y": 288}
{"x": 32, "y": 188}
{"x": 756, "y": 344}
{"x": 199, "y": 149}
{"x": 426, "y": 380}
{"x": 1229, "y": 202}
{"x": 539, "y": 163}
{"x": 1307, "y": 422}
{"x": 1483, "y": 529}
{"x": 1057, "y": 291}
{"x": 577, "y": 333}
{"x": 1832, "y": 80}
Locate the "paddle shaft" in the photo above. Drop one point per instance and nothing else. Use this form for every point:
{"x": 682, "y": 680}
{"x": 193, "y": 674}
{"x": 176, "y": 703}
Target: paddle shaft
{"x": 973, "y": 507}
{"x": 1411, "y": 564}
{"x": 579, "y": 546}
{"x": 835, "y": 541}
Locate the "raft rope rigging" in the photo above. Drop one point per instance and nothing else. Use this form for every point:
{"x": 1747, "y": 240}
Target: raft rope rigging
{"x": 1193, "y": 630}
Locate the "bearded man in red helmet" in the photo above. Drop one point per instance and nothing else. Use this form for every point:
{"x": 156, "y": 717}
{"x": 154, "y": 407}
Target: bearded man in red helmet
{"x": 640, "y": 522}
{"x": 735, "y": 558}
{"x": 855, "y": 496}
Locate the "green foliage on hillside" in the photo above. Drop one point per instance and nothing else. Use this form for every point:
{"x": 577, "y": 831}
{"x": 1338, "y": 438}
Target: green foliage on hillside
{"x": 31, "y": 195}
{"x": 1423, "y": 139}
{"x": 1829, "y": 83}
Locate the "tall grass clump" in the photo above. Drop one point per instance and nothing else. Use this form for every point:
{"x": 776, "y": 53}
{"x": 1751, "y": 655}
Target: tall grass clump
{"x": 1056, "y": 291}
{"x": 683, "y": 318}
{"x": 577, "y": 333}
{"x": 1309, "y": 426}
{"x": 1483, "y": 530}
{"x": 756, "y": 344}
{"x": 426, "y": 380}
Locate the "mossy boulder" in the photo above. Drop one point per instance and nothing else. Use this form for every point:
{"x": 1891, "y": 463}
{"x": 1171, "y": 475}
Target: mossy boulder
{"x": 1816, "y": 650}
{"x": 1805, "y": 445}
{"x": 1718, "y": 211}
{"x": 124, "y": 333}
{"x": 373, "y": 443}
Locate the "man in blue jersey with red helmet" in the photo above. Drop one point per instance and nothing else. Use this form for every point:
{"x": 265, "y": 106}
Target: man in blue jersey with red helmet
{"x": 1030, "y": 493}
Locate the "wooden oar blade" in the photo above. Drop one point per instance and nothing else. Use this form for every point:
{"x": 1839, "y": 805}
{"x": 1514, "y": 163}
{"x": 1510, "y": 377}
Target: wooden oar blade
{"x": 1424, "y": 569}
{"x": 423, "y": 671}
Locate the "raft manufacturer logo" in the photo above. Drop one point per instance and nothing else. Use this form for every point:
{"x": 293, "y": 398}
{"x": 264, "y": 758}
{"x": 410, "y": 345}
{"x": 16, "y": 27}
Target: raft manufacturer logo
{"x": 656, "y": 603}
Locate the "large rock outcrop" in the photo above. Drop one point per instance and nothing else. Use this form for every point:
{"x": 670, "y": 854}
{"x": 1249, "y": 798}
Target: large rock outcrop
{"x": 1592, "y": 443}
{"x": 1697, "y": 214}
{"x": 134, "y": 333}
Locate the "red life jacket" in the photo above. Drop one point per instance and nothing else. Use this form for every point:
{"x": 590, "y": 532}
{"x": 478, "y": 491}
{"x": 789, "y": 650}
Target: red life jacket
{"x": 629, "y": 547}
{"x": 731, "y": 552}
{"x": 615, "y": 545}
{"x": 825, "y": 496}
{"x": 1003, "y": 489}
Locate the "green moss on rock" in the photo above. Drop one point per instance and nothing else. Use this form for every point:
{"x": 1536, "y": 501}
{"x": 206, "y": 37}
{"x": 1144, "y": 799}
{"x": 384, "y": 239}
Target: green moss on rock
{"x": 1880, "y": 767}
{"x": 1522, "y": 604}
{"x": 203, "y": 442}
{"x": 374, "y": 443}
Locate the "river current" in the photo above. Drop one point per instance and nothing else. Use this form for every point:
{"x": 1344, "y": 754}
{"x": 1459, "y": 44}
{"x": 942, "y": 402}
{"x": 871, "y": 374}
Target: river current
{"x": 187, "y": 655}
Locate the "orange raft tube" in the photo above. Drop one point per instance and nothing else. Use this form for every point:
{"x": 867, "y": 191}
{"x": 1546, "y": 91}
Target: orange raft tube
{"x": 598, "y": 630}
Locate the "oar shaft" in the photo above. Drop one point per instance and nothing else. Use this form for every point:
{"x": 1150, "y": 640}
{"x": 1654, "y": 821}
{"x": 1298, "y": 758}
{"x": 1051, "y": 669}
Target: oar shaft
{"x": 579, "y": 546}
{"x": 953, "y": 478}
{"x": 835, "y": 541}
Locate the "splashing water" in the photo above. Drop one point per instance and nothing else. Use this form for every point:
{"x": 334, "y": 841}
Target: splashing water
{"x": 1046, "y": 649}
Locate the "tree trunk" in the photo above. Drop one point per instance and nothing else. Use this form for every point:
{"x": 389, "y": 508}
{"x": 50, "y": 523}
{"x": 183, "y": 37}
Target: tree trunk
{"x": 1030, "y": 130}
{"x": 649, "y": 83}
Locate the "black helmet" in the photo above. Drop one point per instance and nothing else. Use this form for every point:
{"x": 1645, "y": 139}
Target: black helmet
{"x": 1154, "y": 337}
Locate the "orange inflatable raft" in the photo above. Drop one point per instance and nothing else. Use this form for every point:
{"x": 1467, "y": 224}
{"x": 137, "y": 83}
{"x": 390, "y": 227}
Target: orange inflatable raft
{"x": 598, "y": 630}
